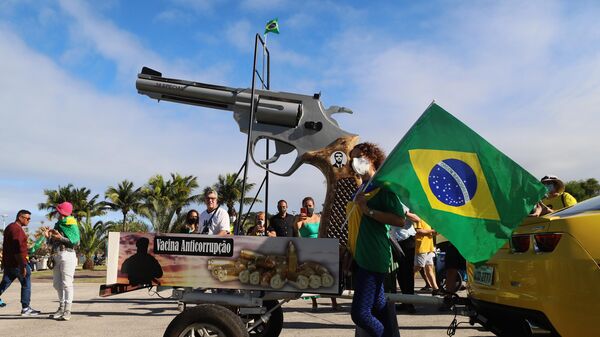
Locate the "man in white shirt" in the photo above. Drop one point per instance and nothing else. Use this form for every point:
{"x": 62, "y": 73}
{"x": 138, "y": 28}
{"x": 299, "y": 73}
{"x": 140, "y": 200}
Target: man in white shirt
{"x": 214, "y": 220}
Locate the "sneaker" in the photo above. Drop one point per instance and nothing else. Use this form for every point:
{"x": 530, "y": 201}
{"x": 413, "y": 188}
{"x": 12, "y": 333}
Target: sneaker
{"x": 425, "y": 288}
{"x": 438, "y": 292}
{"x": 2, "y": 304}
{"x": 65, "y": 316}
{"x": 29, "y": 311}
{"x": 58, "y": 314}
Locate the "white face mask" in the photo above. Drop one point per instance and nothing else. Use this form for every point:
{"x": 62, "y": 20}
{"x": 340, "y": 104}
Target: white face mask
{"x": 232, "y": 219}
{"x": 261, "y": 222}
{"x": 361, "y": 165}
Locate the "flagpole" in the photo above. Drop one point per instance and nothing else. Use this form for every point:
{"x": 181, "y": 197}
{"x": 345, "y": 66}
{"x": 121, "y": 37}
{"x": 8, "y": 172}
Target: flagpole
{"x": 267, "y": 141}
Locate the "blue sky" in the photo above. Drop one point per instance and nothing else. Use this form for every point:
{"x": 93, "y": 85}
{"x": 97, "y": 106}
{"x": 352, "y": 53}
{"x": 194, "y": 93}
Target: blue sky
{"x": 524, "y": 75}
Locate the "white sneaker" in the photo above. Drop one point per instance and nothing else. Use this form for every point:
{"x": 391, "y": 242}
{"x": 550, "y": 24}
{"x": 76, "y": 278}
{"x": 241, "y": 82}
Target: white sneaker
{"x": 58, "y": 314}
{"x": 29, "y": 311}
{"x": 66, "y": 316}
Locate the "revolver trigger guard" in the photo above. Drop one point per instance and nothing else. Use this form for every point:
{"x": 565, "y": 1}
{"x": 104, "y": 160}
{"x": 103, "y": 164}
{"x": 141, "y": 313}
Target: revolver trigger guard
{"x": 297, "y": 163}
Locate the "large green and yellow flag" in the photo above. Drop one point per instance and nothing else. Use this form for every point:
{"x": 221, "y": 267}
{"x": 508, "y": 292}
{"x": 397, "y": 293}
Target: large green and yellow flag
{"x": 460, "y": 184}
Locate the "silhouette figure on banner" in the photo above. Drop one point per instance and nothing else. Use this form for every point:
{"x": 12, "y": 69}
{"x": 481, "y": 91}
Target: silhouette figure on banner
{"x": 142, "y": 268}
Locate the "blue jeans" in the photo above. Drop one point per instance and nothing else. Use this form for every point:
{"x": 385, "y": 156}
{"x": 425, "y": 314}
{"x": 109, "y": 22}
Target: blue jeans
{"x": 10, "y": 274}
{"x": 369, "y": 303}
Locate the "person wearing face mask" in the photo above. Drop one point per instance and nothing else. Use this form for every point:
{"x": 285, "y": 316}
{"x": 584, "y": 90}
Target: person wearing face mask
{"x": 370, "y": 215}
{"x": 259, "y": 229}
{"x": 191, "y": 222}
{"x": 556, "y": 199}
{"x": 282, "y": 223}
{"x": 307, "y": 222}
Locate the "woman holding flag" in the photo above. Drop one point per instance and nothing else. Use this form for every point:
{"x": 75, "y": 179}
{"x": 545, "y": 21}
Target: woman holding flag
{"x": 370, "y": 215}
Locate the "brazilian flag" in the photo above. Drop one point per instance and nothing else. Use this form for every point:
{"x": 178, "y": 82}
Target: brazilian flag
{"x": 460, "y": 184}
{"x": 272, "y": 27}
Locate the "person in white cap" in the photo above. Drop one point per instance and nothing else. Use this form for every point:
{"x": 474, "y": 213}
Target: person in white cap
{"x": 64, "y": 238}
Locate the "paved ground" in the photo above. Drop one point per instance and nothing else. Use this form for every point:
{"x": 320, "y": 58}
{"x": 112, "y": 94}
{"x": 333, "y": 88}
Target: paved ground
{"x": 139, "y": 314}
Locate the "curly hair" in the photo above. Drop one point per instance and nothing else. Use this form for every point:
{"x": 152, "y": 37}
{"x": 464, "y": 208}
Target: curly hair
{"x": 373, "y": 152}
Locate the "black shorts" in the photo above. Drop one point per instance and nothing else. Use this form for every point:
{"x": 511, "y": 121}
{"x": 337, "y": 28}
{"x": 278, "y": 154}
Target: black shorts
{"x": 453, "y": 258}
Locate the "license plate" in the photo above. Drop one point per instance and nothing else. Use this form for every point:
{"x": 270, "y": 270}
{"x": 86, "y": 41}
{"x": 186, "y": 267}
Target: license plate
{"x": 484, "y": 275}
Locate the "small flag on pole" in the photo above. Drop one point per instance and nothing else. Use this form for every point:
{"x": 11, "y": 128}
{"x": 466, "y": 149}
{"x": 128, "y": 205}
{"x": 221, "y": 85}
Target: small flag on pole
{"x": 460, "y": 184}
{"x": 272, "y": 27}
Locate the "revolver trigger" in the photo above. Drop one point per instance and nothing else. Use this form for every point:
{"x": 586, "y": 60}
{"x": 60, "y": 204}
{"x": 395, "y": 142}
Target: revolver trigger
{"x": 337, "y": 109}
{"x": 271, "y": 160}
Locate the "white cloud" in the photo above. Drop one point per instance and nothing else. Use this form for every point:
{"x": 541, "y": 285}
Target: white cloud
{"x": 263, "y": 5}
{"x": 57, "y": 130}
{"x": 525, "y": 77}
{"x": 172, "y": 15}
{"x": 200, "y": 6}
{"x": 110, "y": 41}
{"x": 240, "y": 35}
{"x": 499, "y": 73}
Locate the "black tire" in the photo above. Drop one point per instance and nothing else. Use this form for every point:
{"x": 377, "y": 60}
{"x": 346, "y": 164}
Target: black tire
{"x": 442, "y": 283}
{"x": 211, "y": 318}
{"x": 273, "y": 326}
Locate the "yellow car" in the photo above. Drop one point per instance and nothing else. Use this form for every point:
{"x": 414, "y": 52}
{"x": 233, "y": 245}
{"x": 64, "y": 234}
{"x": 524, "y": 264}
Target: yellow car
{"x": 547, "y": 280}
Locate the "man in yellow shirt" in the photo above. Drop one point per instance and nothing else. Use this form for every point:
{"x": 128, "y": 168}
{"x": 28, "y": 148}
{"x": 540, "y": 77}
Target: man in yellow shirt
{"x": 425, "y": 252}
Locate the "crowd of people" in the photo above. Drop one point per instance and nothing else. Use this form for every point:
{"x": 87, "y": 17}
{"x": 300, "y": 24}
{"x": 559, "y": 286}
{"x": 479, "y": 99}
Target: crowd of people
{"x": 385, "y": 240}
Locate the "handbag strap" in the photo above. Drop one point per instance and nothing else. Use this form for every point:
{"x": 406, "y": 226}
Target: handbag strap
{"x": 207, "y": 223}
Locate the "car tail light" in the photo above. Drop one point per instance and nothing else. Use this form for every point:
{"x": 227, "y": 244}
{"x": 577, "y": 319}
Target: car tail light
{"x": 546, "y": 242}
{"x": 520, "y": 243}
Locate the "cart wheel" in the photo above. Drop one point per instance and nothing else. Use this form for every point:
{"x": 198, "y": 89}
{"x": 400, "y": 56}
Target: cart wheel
{"x": 206, "y": 320}
{"x": 273, "y": 326}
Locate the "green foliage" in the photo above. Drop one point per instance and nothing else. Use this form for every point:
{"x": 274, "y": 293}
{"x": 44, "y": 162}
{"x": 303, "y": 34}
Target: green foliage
{"x": 124, "y": 198}
{"x": 93, "y": 238}
{"x": 230, "y": 191}
{"x": 163, "y": 200}
{"x": 79, "y": 197}
{"x": 583, "y": 189}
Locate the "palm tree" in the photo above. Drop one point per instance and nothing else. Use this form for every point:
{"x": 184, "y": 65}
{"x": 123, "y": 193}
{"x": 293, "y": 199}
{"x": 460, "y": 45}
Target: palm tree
{"x": 123, "y": 198}
{"x": 92, "y": 239}
{"x": 78, "y": 197}
{"x": 163, "y": 200}
{"x": 182, "y": 191}
{"x": 230, "y": 190}
{"x": 86, "y": 206}
{"x": 55, "y": 197}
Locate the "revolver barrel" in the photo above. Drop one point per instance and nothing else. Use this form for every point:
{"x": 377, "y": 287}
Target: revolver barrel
{"x": 179, "y": 91}
{"x": 272, "y": 111}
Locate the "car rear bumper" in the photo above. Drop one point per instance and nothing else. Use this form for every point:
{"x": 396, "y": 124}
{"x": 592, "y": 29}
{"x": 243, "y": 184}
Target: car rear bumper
{"x": 505, "y": 320}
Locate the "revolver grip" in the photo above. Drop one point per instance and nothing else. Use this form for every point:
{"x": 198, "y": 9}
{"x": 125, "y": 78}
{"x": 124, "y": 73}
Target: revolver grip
{"x": 342, "y": 183}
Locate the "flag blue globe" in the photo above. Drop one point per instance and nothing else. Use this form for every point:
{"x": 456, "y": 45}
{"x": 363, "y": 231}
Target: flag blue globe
{"x": 453, "y": 182}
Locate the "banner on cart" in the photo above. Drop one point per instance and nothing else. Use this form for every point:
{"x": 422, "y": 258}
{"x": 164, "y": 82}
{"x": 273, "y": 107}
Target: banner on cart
{"x": 232, "y": 262}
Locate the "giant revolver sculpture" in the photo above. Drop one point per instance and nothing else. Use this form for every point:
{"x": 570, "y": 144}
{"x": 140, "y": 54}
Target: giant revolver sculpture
{"x": 293, "y": 121}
